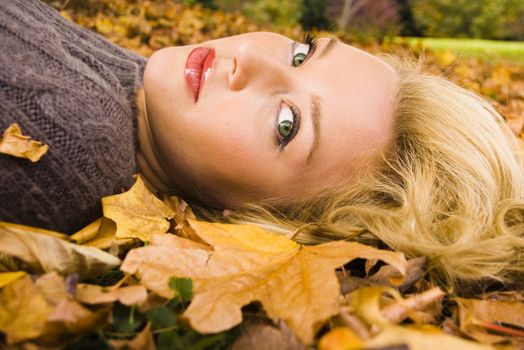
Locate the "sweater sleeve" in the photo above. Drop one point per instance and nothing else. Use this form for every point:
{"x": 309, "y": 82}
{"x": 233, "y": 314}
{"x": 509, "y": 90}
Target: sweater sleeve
{"x": 74, "y": 91}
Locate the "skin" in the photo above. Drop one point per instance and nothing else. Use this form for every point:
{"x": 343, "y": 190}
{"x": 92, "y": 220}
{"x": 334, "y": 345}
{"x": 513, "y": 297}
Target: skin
{"x": 224, "y": 148}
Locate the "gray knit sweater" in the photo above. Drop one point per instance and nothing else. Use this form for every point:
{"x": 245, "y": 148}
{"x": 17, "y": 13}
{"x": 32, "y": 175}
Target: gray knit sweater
{"x": 73, "y": 90}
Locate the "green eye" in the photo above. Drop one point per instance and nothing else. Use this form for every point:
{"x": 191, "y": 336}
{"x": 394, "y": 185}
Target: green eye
{"x": 298, "y": 59}
{"x": 285, "y": 124}
{"x": 285, "y": 127}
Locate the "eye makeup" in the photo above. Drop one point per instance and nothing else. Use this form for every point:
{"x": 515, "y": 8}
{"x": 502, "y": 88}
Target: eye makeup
{"x": 286, "y": 129}
{"x": 286, "y": 126}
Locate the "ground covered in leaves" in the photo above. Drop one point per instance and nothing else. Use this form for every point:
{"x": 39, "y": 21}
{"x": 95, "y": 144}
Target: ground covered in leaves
{"x": 149, "y": 275}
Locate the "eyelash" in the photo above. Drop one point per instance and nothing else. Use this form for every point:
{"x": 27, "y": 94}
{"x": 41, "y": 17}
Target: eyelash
{"x": 311, "y": 40}
{"x": 282, "y": 142}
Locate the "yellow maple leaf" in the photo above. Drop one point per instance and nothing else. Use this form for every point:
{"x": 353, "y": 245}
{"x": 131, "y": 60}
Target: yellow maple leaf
{"x": 293, "y": 282}
{"x": 101, "y": 234}
{"x": 43, "y": 310}
{"x": 16, "y": 144}
{"x": 8, "y": 277}
{"x": 137, "y": 213}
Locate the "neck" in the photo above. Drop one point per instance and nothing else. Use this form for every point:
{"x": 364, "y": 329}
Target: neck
{"x": 149, "y": 162}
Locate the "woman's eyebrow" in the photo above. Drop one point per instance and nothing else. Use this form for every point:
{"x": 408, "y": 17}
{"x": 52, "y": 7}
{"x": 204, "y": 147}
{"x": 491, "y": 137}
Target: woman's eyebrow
{"x": 315, "y": 106}
{"x": 315, "y": 120}
{"x": 331, "y": 43}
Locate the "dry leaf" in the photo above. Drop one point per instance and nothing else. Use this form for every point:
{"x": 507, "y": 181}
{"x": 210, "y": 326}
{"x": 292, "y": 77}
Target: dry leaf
{"x": 87, "y": 233}
{"x": 43, "y": 252}
{"x": 294, "y": 283}
{"x": 23, "y": 311}
{"x": 183, "y": 213}
{"x": 101, "y": 234}
{"x": 175, "y": 241}
{"x": 477, "y": 316}
{"x": 16, "y": 144}
{"x": 93, "y": 294}
{"x": 340, "y": 338}
{"x": 402, "y": 309}
{"x": 137, "y": 213}
{"x": 43, "y": 310}
{"x": 262, "y": 336}
{"x": 143, "y": 341}
{"x": 367, "y": 303}
{"x": 8, "y": 277}
{"x": 421, "y": 338}
{"x": 387, "y": 276}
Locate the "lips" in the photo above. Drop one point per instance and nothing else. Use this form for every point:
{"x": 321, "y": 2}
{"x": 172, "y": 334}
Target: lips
{"x": 198, "y": 68}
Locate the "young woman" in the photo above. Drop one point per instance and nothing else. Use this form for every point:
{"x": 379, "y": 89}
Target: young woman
{"x": 317, "y": 136}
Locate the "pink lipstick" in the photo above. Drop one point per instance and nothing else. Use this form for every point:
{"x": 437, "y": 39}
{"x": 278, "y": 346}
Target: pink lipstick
{"x": 198, "y": 68}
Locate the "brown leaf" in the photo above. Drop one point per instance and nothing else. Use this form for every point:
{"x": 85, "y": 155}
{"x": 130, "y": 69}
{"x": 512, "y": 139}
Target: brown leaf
{"x": 387, "y": 276}
{"x": 101, "y": 234}
{"x": 476, "y": 315}
{"x": 137, "y": 213}
{"x": 421, "y": 338}
{"x": 367, "y": 303}
{"x": 93, "y": 294}
{"x": 262, "y": 336}
{"x": 143, "y": 341}
{"x": 183, "y": 213}
{"x": 293, "y": 282}
{"x": 23, "y": 311}
{"x": 16, "y": 144}
{"x": 43, "y": 311}
{"x": 400, "y": 310}
{"x": 42, "y": 252}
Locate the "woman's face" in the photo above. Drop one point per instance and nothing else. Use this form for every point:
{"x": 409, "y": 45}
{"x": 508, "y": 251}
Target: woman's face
{"x": 240, "y": 142}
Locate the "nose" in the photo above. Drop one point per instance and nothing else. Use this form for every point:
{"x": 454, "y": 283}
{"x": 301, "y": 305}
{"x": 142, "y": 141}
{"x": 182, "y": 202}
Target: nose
{"x": 254, "y": 65}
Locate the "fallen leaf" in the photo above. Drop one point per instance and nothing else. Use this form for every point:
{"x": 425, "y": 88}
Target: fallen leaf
{"x": 294, "y": 283}
{"x": 43, "y": 253}
{"x": 421, "y": 338}
{"x": 367, "y": 304}
{"x": 386, "y": 276}
{"x": 176, "y": 241}
{"x": 402, "y": 309}
{"x": 23, "y": 311}
{"x": 43, "y": 311}
{"x": 340, "y": 338}
{"x": 262, "y": 336}
{"x": 477, "y": 316}
{"x": 137, "y": 213}
{"x": 183, "y": 213}
{"x": 93, "y": 294}
{"x": 8, "y": 277}
{"x": 16, "y": 144}
{"x": 88, "y": 233}
{"x": 101, "y": 234}
{"x": 143, "y": 341}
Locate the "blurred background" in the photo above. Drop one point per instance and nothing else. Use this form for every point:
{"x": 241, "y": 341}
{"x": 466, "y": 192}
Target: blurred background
{"x": 479, "y": 44}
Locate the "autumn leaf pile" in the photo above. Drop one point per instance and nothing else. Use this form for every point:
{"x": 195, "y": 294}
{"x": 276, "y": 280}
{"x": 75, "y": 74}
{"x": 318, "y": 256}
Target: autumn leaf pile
{"x": 149, "y": 275}
{"x": 189, "y": 284}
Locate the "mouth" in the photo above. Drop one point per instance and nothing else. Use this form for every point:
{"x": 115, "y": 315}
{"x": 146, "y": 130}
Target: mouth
{"x": 198, "y": 69}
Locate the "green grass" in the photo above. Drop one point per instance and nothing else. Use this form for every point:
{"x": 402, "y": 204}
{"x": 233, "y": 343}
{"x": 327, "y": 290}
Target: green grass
{"x": 486, "y": 49}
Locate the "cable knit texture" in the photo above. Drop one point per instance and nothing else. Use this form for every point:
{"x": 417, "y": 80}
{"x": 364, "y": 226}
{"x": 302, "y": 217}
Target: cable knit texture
{"x": 73, "y": 90}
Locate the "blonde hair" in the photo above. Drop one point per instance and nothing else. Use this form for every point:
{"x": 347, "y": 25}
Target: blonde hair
{"x": 450, "y": 187}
